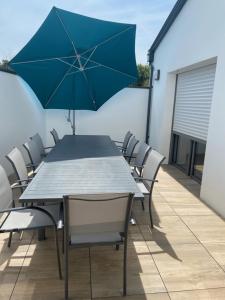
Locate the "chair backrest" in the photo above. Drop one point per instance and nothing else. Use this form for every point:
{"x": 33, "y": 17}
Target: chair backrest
{"x": 155, "y": 159}
{"x": 39, "y": 143}
{"x": 16, "y": 159}
{"x": 126, "y": 140}
{"x": 33, "y": 152}
{"x": 55, "y": 135}
{"x": 5, "y": 190}
{"x": 99, "y": 213}
{"x": 131, "y": 146}
{"x": 142, "y": 154}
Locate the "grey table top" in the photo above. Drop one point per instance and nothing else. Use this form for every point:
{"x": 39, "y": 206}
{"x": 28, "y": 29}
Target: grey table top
{"x": 81, "y": 164}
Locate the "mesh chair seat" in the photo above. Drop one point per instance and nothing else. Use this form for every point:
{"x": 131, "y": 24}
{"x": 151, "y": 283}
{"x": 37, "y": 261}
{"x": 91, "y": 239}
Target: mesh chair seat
{"x": 26, "y": 218}
{"x": 143, "y": 189}
{"x": 106, "y": 237}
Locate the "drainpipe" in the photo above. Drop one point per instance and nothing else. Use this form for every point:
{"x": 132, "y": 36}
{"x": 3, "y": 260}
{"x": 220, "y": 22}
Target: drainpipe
{"x": 150, "y": 61}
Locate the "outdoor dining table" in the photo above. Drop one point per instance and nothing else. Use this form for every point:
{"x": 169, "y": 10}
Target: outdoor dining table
{"x": 81, "y": 164}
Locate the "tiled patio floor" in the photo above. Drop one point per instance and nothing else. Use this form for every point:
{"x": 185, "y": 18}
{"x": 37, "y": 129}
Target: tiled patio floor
{"x": 183, "y": 257}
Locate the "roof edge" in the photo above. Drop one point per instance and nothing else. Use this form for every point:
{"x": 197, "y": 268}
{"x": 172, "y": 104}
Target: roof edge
{"x": 165, "y": 28}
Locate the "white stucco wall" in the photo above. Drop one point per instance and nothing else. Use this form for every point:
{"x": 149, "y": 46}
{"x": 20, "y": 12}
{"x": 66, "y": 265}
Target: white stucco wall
{"x": 127, "y": 110}
{"x": 21, "y": 115}
{"x": 197, "y": 37}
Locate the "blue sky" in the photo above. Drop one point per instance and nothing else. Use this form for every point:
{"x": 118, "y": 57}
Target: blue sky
{"x": 19, "y": 19}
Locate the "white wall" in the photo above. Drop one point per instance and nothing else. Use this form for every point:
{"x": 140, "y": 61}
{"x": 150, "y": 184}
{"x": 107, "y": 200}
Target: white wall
{"x": 21, "y": 115}
{"x": 127, "y": 110}
{"x": 197, "y": 37}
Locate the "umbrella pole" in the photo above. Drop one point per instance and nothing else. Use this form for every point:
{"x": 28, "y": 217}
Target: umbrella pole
{"x": 73, "y": 122}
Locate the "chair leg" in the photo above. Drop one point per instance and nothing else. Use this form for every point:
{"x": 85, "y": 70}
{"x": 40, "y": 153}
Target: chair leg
{"x": 125, "y": 268}
{"x": 66, "y": 267}
{"x": 117, "y": 247}
{"x": 142, "y": 204}
{"x": 10, "y": 239}
{"x": 58, "y": 253}
{"x": 150, "y": 210}
{"x": 63, "y": 241}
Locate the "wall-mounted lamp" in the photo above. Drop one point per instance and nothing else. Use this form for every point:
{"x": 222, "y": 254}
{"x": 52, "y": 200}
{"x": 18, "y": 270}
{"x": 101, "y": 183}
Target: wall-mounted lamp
{"x": 157, "y": 74}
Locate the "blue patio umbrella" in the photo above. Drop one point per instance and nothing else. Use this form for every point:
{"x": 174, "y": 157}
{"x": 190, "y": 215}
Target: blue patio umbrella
{"x": 77, "y": 63}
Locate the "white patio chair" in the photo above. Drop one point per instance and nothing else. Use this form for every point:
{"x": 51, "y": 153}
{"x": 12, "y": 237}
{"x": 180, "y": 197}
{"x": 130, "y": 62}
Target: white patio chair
{"x": 128, "y": 154}
{"x": 40, "y": 145}
{"x": 125, "y": 142}
{"x": 33, "y": 153}
{"x": 146, "y": 183}
{"x": 17, "y": 219}
{"x": 92, "y": 220}
{"x": 19, "y": 166}
{"x": 55, "y": 136}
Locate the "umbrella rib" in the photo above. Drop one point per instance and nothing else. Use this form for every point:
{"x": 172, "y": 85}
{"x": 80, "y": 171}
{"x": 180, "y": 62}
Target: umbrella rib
{"x": 64, "y": 28}
{"x": 107, "y": 40}
{"x": 71, "y": 65}
{"x": 104, "y": 66}
{"x": 57, "y": 87}
{"x": 84, "y": 70}
{"x": 89, "y": 57}
{"x": 72, "y": 42}
{"x": 42, "y": 60}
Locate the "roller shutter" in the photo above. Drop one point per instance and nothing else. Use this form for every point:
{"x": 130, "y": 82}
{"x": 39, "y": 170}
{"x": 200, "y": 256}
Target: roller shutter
{"x": 193, "y": 101}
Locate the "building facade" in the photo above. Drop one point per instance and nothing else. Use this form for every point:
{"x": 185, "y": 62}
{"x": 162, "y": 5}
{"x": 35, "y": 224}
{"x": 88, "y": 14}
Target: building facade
{"x": 187, "y": 120}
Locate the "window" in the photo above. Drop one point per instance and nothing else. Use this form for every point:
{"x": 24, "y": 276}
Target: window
{"x": 188, "y": 154}
{"x": 199, "y": 158}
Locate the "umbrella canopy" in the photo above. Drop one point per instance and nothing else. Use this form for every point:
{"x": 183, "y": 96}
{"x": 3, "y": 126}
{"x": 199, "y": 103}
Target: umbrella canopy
{"x": 77, "y": 62}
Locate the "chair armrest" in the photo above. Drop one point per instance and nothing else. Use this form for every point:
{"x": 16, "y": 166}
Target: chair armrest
{"x": 119, "y": 142}
{"x": 48, "y": 147}
{"x": 18, "y": 186}
{"x": 31, "y": 166}
{"x": 137, "y": 166}
{"x": 145, "y": 179}
{"x": 24, "y": 180}
{"x": 13, "y": 209}
{"x": 130, "y": 156}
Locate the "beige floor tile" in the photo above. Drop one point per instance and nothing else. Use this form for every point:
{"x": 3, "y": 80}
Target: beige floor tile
{"x": 110, "y": 284}
{"x": 158, "y": 209}
{"x": 138, "y": 260}
{"x": 7, "y": 283}
{"x": 137, "y": 247}
{"x": 135, "y": 233}
{"x": 106, "y": 284}
{"x": 211, "y": 294}
{"x": 176, "y": 196}
{"x": 158, "y": 296}
{"x": 190, "y": 209}
{"x": 30, "y": 289}
{"x": 192, "y": 268}
{"x": 217, "y": 251}
{"x": 51, "y": 295}
{"x": 166, "y": 232}
{"x": 206, "y": 228}
{"x": 182, "y": 199}
{"x": 11, "y": 259}
{"x": 106, "y": 265}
